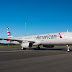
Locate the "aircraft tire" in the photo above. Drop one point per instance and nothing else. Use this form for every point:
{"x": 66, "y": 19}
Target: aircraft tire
{"x": 38, "y": 48}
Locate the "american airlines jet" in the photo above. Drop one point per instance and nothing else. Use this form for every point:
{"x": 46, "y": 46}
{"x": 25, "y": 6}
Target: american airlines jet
{"x": 47, "y": 40}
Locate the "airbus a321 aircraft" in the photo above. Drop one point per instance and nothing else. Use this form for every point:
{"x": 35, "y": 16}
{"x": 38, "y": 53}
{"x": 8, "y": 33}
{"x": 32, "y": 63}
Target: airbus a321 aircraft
{"x": 47, "y": 40}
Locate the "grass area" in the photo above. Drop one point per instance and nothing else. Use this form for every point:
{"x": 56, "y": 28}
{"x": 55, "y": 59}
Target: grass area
{"x": 10, "y": 46}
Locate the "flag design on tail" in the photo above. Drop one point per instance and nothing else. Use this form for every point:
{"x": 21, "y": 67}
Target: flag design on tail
{"x": 9, "y": 33}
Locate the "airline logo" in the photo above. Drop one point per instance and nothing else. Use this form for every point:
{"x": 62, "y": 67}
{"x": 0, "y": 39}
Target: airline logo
{"x": 8, "y": 33}
{"x": 49, "y": 36}
{"x": 46, "y": 37}
{"x": 60, "y": 35}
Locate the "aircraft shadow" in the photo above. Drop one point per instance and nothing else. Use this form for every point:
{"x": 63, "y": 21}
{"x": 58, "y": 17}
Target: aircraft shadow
{"x": 57, "y": 49}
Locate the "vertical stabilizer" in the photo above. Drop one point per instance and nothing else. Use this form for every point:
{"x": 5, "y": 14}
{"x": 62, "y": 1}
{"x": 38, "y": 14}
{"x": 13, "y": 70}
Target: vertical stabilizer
{"x": 9, "y": 33}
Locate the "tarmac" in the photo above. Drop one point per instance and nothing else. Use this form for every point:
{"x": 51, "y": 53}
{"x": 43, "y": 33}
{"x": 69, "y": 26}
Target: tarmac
{"x": 13, "y": 59}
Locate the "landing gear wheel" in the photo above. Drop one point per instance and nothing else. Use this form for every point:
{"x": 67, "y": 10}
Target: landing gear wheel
{"x": 23, "y": 48}
{"x": 68, "y": 48}
{"x": 38, "y": 48}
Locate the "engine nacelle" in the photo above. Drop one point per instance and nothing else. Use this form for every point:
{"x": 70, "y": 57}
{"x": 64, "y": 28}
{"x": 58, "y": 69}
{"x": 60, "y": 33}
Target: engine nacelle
{"x": 48, "y": 46}
{"x": 26, "y": 45}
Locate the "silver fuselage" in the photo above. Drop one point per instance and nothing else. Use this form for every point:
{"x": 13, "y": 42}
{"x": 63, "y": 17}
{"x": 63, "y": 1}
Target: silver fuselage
{"x": 47, "y": 39}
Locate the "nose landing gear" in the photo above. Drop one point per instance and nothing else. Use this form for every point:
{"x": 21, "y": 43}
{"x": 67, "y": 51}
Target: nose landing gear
{"x": 38, "y": 48}
{"x": 68, "y": 48}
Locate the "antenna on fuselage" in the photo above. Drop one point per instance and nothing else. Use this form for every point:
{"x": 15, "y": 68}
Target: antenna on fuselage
{"x": 67, "y": 30}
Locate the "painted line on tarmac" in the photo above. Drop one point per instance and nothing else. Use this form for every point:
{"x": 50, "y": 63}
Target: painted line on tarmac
{"x": 16, "y": 51}
{"x": 9, "y": 51}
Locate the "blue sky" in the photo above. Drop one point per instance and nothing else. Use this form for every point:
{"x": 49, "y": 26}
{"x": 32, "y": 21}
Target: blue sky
{"x": 43, "y": 16}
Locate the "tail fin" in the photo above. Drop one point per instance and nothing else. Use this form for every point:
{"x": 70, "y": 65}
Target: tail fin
{"x": 9, "y": 33}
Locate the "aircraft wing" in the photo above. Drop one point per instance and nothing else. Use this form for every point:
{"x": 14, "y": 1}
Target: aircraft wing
{"x": 17, "y": 40}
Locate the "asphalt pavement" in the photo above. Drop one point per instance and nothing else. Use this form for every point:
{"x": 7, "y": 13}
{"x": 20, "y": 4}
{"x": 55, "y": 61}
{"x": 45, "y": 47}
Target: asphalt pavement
{"x": 13, "y": 59}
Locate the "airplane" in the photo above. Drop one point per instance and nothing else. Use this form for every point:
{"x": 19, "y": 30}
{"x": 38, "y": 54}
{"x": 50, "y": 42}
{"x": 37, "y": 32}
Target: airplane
{"x": 47, "y": 40}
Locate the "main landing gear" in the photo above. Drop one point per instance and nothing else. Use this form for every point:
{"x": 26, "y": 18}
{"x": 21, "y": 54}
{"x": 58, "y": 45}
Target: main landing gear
{"x": 38, "y": 48}
{"x": 68, "y": 48}
{"x": 23, "y": 48}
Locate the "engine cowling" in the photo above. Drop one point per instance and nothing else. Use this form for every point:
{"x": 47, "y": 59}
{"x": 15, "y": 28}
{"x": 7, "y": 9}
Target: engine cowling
{"x": 48, "y": 46}
{"x": 26, "y": 45}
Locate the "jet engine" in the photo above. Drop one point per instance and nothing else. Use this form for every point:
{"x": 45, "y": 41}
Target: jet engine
{"x": 48, "y": 46}
{"x": 26, "y": 45}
